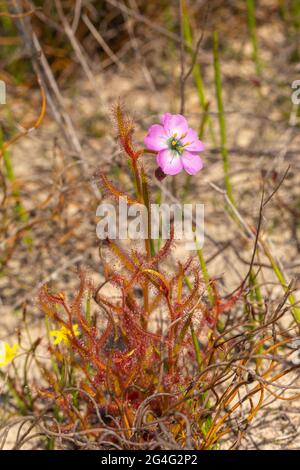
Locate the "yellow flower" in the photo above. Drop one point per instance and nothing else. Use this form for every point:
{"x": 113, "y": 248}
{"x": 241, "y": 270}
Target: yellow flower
{"x": 7, "y": 353}
{"x": 64, "y": 334}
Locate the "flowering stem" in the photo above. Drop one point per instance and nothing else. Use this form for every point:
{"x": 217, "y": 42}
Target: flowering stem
{"x": 150, "y": 243}
{"x": 158, "y": 202}
{"x": 143, "y": 196}
{"x": 137, "y": 178}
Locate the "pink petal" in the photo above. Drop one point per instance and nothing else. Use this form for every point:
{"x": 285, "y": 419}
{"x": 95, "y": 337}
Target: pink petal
{"x": 164, "y": 117}
{"x": 169, "y": 162}
{"x": 174, "y": 124}
{"x": 191, "y": 142}
{"x": 156, "y": 139}
{"x": 192, "y": 163}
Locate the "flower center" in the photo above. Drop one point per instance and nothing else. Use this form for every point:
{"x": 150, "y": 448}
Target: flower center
{"x": 175, "y": 144}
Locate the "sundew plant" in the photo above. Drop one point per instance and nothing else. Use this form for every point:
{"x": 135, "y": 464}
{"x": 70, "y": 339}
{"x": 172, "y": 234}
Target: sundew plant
{"x": 159, "y": 364}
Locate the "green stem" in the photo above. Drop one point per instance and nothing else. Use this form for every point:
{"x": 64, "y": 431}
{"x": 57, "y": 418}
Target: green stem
{"x": 196, "y": 346}
{"x": 143, "y": 197}
{"x": 221, "y": 115}
{"x": 257, "y": 294}
{"x": 149, "y": 241}
{"x": 252, "y": 30}
{"x": 197, "y": 76}
{"x": 137, "y": 178}
{"x": 205, "y": 276}
{"x": 280, "y": 276}
{"x": 88, "y": 308}
{"x": 10, "y": 175}
{"x": 193, "y": 334}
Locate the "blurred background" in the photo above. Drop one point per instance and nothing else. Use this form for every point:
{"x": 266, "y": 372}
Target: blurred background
{"x": 201, "y": 58}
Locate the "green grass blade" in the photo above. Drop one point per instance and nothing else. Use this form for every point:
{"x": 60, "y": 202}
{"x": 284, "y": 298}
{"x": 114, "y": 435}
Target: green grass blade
{"x": 221, "y": 115}
{"x": 253, "y": 35}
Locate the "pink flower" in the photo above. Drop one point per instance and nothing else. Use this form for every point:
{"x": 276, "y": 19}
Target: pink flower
{"x": 177, "y": 145}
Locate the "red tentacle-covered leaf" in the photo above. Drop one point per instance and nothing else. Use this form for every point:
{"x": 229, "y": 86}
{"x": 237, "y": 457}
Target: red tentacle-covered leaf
{"x": 122, "y": 255}
{"x": 85, "y": 287}
{"x": 118, "y": 280}
{"x": 112, "y": 190}
{"x": 182, "y": 270}
{"x": 46, "y": 298}
{"x": 165, "y": 250}
{"x": 223, "y": 306}
{"x": 125, "y": 129}
{"x": 105, "y": 301}
{"x": 211, "y": 315}
{"x": 192, "y": 298}
{"x": 133, "y": 329}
